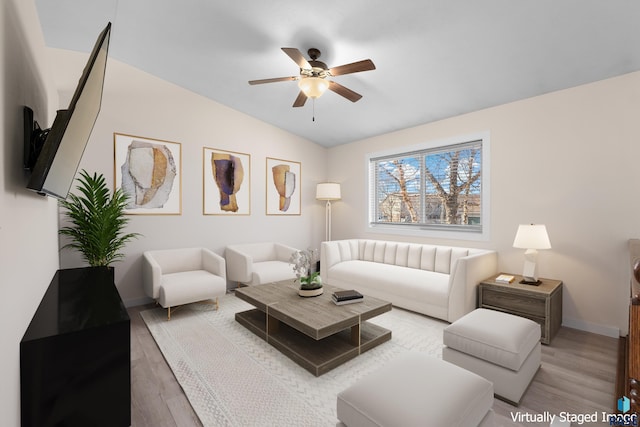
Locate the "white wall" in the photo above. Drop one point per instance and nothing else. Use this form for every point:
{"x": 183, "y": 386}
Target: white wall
{"x": 569, "y": 160}
{"x": 137, "y": 103}
{"x": 28, "y": 222}
{"x": 548, "y": 165}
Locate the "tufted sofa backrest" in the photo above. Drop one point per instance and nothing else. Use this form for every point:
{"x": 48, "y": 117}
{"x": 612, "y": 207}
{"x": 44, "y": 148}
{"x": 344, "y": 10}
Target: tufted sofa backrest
{"x": 441, "y": 259}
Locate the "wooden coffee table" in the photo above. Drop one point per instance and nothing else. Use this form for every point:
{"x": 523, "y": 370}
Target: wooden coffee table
{"x": 314, "y": 332}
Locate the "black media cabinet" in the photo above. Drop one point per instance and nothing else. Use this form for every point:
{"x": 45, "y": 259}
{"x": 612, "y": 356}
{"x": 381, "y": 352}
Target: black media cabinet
{"x": 75, "y": 356}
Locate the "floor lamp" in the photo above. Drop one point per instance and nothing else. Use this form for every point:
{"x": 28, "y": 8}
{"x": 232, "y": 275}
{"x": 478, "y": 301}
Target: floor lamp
{"x": 328, "y": 191}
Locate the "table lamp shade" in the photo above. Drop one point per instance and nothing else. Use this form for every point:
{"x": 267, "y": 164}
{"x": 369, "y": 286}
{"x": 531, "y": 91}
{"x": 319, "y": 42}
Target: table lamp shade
{"x": 532, "y": 236}
{"x": 328, "y": 191}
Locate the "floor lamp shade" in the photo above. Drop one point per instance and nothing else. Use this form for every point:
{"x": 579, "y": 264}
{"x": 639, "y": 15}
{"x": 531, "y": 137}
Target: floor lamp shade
{"x": 328, "y": 191}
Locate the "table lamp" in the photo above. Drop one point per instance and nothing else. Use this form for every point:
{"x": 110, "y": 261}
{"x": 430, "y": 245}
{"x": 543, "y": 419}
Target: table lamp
{"x": 328, "y": 191}
{"x": 531, "y": 237}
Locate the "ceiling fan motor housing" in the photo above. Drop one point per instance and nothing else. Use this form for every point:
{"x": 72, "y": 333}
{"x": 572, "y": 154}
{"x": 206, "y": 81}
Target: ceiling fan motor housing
{"x": 318, "y": 68}
{"x": 313, "y": 80}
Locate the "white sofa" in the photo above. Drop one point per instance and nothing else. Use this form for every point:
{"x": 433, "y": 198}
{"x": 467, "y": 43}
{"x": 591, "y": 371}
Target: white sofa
{"x": 259, "y": 263}
{"x": 439, "y": 281}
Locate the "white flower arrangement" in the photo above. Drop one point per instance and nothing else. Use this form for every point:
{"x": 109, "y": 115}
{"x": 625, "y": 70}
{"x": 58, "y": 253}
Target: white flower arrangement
{"x": 302, "y": 262}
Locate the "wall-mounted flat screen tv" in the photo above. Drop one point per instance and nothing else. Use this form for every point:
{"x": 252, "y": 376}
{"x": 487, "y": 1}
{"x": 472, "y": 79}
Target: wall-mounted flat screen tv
{"x": 53, "y": 155}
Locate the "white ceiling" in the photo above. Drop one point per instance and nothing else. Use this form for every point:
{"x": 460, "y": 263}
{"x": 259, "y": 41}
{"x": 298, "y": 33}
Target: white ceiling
{"x": 435, "y": 58}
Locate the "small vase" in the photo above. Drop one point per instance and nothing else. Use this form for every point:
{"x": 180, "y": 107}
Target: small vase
{"x": 310, "y": 292}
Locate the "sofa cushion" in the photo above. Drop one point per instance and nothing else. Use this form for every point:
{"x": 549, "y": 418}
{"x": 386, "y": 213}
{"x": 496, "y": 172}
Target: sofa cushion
{"x": 369, "y": 247}
{"x": 428, "y": 258}
{"x": 414, "y": 257}
{"x": 379, "y": 250}
{"x": 347, "y": 250}
{"x": 500, "y": 338}
{"x": 402, "y": 255}
{"x": 443, "y": 260}
{"x": 391, "y": 248}
{"x": 427, "y": 285}
{"x": 189, "y": 286}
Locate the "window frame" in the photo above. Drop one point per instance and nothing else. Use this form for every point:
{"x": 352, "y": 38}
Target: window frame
{"x": 445, "y": 231}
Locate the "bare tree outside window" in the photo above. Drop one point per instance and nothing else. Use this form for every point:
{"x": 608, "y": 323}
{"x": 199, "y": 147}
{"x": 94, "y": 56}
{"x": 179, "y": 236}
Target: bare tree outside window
{"x": 453, "y": 177}
{"x": 399, "y": 182}
{"x": 440, "y": 187}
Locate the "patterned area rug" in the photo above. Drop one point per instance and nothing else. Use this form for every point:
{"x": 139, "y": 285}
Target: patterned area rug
{"x": 233, "y": 378}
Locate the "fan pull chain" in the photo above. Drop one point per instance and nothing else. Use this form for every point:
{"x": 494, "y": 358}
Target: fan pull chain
{"x": 313, "y": 118}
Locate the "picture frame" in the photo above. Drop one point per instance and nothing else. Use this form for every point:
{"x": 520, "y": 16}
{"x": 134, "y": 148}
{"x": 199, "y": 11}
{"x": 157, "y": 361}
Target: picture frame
{"x": 226, "y": 182}
{"x": 149, "y": 171}
{"x": 283, "y": 195}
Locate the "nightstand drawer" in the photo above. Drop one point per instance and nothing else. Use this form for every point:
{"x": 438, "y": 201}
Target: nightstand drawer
{"x": 542, "y": 304}
{"x": 513, "y": 302}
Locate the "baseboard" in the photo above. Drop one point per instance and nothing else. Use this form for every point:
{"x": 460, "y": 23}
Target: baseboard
{"x": 583, "y": 325}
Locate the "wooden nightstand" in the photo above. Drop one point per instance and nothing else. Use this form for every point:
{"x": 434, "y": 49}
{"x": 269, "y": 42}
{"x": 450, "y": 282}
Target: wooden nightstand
{"x": 542, "y": 304}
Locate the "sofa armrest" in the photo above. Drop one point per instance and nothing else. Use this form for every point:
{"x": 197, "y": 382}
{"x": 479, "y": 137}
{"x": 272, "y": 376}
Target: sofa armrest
{"x": 283, "y": 252}
{"x": 469, "y": 271}
{"x": 214, "y": 263}
{"x": 239, "y": 265}
{"x": 151, "y": 275}
{"x": 329, "y": 256}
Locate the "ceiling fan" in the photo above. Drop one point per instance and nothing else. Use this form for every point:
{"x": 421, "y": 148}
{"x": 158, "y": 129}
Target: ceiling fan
{"x": 313, "y": 79}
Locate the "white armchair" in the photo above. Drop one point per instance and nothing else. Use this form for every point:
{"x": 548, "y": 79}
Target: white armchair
{"x": 259, "y": 263}
{"x": 175, "y": 277}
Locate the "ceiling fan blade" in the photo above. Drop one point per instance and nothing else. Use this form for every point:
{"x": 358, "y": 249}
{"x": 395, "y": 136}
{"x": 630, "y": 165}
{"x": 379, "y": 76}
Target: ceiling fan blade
{"x": 277, "y": 79}
{"x": 297, "y": 57}
{"x": 354, "y": 67}
{"x": 343, "y": 91}
{"x": 300, "y": 100}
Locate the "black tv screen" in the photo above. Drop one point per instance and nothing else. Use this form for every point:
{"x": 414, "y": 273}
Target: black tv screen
{"x": 57, "y": 163}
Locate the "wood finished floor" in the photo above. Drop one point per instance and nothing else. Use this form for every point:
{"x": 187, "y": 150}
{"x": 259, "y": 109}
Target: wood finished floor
{"x": 577, "y": 375}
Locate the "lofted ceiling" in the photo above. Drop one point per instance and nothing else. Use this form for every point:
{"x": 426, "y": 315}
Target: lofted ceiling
{"x": 434, "y": 58}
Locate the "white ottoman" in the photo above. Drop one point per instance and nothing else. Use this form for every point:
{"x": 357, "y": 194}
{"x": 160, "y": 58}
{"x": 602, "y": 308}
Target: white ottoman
{"x": 503, "y": 348}
{"x": 417, "y": 390}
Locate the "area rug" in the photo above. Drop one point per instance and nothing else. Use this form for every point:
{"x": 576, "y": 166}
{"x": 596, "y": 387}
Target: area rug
{"x": 233, "y": 378}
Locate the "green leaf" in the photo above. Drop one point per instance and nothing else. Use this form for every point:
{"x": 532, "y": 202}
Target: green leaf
{"x": 97, "y": 221}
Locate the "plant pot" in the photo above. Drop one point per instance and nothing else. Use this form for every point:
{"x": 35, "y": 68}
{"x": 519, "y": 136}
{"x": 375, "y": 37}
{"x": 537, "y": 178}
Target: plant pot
{"x": 310, "y": 292}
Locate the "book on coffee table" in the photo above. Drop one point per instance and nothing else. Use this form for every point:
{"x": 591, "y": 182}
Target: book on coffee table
{"x": 346, "y": 301}
{"x": 346, "y": 295}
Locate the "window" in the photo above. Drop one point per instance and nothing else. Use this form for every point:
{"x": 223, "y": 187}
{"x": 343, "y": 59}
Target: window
{"x": 438, "y": 187}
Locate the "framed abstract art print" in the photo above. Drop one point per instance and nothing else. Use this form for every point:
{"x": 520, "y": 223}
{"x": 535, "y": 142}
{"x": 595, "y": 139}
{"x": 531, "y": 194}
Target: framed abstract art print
{"x": 149, "y": 171}
{"x": 283, "y": 187}
{"x": 226, "y": 182}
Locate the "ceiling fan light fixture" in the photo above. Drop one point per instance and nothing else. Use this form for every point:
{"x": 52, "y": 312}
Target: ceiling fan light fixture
{"x": 313, "y": 87}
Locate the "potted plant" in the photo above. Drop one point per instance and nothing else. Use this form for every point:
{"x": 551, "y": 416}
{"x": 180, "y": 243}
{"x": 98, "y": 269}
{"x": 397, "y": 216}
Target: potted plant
{"x": 97, "y": 221}
{"x": 310, "y": 282}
